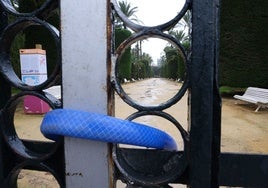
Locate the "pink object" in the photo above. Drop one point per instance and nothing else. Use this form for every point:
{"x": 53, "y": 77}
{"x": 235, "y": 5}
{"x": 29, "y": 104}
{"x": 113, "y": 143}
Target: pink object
{"x": 35, "y": 105}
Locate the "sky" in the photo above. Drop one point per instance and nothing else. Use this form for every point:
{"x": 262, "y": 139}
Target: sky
{"x": 155, "y": 12}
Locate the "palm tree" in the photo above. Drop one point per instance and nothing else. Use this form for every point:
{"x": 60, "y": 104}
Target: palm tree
{"x": 186, "y": 22}
{"x": 128, "y": 11}
{"x": 179, "y": 35}
{"x": 184, "y": 36}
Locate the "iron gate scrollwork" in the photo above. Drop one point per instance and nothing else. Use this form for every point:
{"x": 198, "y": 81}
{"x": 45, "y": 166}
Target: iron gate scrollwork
{"x": 165, "y": 167}
{"x": 199, "y": 164}
{"x": 17, "y": 153}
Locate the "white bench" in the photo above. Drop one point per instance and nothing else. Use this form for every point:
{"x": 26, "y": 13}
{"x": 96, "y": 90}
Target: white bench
{"x": 55, "y": 91}
{"x": 258, "y": 96}
{"x": 126, "y": 81}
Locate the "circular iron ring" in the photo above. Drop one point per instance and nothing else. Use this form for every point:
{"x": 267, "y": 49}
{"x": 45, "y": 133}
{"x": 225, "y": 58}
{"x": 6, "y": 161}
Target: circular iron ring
{"x": 117, "y": 85}
{"x": 169, "y": 168}
{"x": 6, "y": 40}
{"x": 9, "y": 132}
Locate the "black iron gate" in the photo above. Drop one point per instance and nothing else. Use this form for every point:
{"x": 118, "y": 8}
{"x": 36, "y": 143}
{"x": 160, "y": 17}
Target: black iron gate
{"x": 200, "y": 164}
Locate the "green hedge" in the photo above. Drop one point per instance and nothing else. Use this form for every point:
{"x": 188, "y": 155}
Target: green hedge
{"x": 243, "y": 43}
{"x": 125, "y": 60}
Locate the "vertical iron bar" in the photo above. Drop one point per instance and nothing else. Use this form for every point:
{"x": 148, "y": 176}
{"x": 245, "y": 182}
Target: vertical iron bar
{"x": 5, "y": 89}
{"x": 5, "y": 94}
{"x": 84, "y": 69}
{"x": 205, "y": 101}
{"x": 216, "y": 129}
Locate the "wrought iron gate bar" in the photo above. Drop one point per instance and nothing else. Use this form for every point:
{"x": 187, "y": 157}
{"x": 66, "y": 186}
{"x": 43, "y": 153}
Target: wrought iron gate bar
{"x": 162, "y": 27}
{"x": 6, "y": 40}
{"x": 16, "y": 153}
{"x": 41, "y": 12}
{"x": 205, "y": 124}
{"x": 199, "y": 164}
{"x": 166, "y": 169}
{"x": 149, "y": 33}
{"x": 243, "y": 170}
{"x": 10, "y": 135}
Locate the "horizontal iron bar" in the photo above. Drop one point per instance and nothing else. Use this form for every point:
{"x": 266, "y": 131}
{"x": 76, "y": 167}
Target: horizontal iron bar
{"x": 243, "y": 170}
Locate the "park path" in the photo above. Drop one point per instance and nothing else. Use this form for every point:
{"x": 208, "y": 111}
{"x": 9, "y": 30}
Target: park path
{"x": 243, "y": 130}
{"x": 151, "y": 92}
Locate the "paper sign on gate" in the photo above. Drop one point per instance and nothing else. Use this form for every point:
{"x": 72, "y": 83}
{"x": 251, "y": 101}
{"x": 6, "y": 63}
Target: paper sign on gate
{"x": 33, "y": 80}
{"x": 33, "y": 61}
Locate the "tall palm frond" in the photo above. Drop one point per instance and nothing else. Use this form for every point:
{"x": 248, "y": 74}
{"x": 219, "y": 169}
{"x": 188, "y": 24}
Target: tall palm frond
{"x": 128, "y": 11}
{"x": 186, "y": 22}
{"x": 179, "y": 35}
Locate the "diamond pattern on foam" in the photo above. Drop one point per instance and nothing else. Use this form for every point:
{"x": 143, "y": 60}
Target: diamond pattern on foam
{"x": 81, "y": 124}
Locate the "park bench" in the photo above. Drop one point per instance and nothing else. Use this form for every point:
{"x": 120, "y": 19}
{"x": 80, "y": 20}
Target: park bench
{"x": 55, "y": 91}
{"x": 258, "y": 96}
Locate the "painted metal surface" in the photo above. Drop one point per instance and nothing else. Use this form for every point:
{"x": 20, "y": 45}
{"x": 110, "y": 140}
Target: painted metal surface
{"x": 84, "y": 86}
{"x": 17, "y": 153}
{"x": 205, "y": 98}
